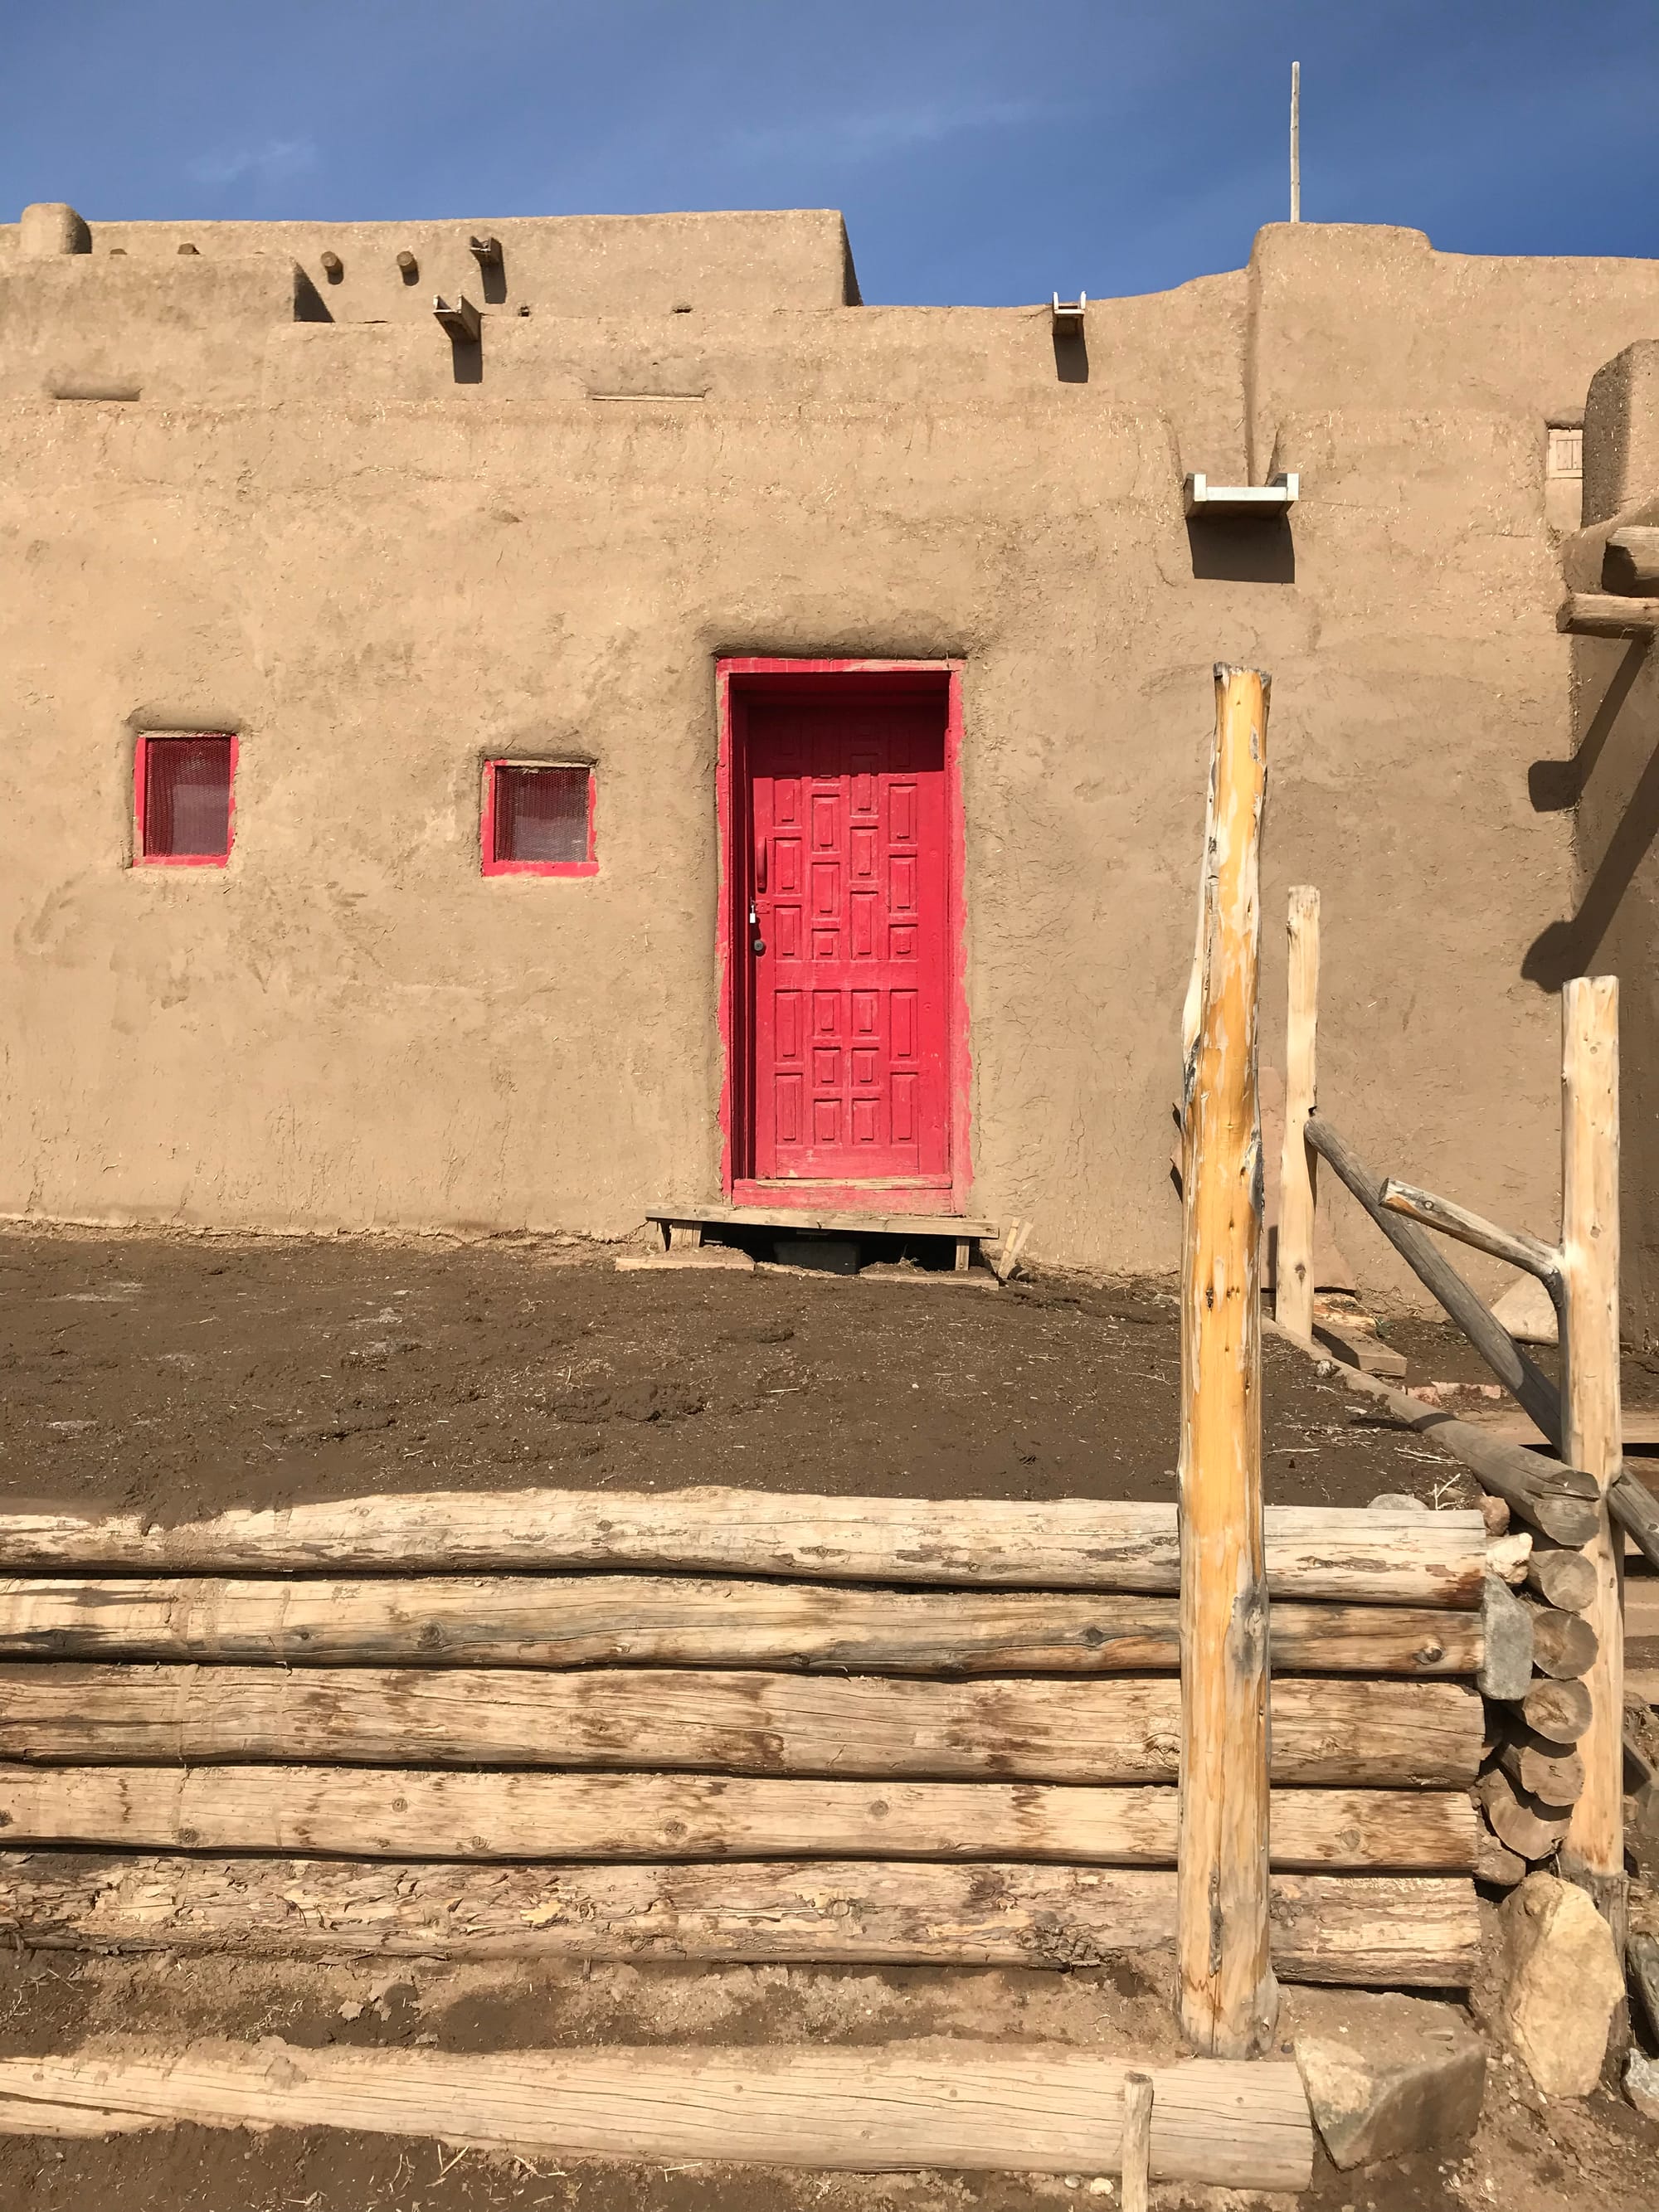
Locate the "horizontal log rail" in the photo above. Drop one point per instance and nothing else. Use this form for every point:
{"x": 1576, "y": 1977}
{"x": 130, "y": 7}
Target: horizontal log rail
{"x": 1558, "y": 1501}
{"x": 1525, "y": 1381}
{"x": 1036, "y": 2107}
{"x": 1634, "y": 1507}
{"x": 402, "y": 1813}
{"x": 1122, "y": 1728}
{"x": 1328, "y": 1553}
{"x": 1515, "y": 1247}
{"x": 591, "y": 1620}
{"x": 1391, "y": 1932}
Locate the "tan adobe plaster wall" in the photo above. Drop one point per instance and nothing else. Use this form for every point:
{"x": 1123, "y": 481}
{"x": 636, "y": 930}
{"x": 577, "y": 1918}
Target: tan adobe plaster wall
{"x": 758, "y": 260}
{"x": 1615, "y": 928}
{"x": 379, "y": 574}
{"x": 1613, "y": 780}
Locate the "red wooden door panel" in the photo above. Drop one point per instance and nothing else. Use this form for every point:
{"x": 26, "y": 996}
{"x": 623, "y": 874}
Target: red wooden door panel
{"x": 850, "y": 884}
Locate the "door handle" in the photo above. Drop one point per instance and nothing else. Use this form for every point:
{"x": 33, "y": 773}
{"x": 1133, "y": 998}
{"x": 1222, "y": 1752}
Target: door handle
{"x": 759, "y": 868}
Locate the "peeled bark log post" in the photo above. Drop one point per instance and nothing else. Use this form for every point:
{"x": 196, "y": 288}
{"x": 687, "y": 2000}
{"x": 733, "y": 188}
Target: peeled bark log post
{"x": 1228, "y": 1997}
{"x": 1293, "y": 1272}
{"x": 1593, "y": 1854}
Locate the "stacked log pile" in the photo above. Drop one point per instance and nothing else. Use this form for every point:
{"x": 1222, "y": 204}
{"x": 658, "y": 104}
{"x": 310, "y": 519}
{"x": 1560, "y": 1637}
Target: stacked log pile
{"x": 1539, "y": 1649}
{"x": 712, "y": 1724}
{"x": 1539, "y": 1644}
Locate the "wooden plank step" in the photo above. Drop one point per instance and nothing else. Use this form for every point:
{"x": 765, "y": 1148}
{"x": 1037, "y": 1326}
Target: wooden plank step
{"x": 873, "y": 1222}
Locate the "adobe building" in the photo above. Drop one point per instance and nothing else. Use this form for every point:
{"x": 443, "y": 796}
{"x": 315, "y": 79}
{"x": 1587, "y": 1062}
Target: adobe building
{"x": 649, "y": 728}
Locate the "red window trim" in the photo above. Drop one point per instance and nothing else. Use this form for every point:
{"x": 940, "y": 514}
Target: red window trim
{"x": 738, "y": 678}
{"x": 492, "y": 866}
{"x": 140, "y": 859}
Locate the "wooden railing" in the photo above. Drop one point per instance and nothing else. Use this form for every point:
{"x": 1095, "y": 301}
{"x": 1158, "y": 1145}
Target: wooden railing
{"x": 1559, "y": 1795}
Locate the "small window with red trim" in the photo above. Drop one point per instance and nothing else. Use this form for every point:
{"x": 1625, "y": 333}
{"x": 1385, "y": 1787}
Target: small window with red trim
{"x": 183, "y": 789}
{"x": 538, "y": 818}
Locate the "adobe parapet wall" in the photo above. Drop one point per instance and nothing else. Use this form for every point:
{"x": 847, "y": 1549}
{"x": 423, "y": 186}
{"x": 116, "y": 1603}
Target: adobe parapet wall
{"x": 381, "y": 558}
{"x": 557, "y": 264}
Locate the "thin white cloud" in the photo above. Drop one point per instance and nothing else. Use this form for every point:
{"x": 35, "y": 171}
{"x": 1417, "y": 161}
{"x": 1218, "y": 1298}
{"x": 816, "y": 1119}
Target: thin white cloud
{"x": 268, "y": 164}
{"x": 879, "y": 132}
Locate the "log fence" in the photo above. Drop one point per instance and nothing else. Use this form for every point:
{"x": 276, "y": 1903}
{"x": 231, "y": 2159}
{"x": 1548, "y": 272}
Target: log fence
{"x": 782, "y": 1761}
{"x": 728, "y": 1725}
{"x": 1551, "y": 1782}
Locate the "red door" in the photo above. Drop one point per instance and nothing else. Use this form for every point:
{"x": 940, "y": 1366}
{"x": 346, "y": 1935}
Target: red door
{"x": 849, "y": 887}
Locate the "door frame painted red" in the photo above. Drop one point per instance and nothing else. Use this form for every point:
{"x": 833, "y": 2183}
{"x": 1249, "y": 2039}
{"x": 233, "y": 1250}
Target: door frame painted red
{"x": 738, "y": 677}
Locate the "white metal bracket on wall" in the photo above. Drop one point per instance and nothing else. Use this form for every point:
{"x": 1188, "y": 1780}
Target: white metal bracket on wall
{"x": 1202, "y": 497}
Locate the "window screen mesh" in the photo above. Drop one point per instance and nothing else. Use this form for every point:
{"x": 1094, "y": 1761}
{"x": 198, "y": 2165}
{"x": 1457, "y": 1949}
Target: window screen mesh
{"x": 187, "y": 797}
{"x": 541, "y": 814}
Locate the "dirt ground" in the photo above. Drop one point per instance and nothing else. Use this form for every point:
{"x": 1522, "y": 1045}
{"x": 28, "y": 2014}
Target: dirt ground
{"x": 185, "y": 1374}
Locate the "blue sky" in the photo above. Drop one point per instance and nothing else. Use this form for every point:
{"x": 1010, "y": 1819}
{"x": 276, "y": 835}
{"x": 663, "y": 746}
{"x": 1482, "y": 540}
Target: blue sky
{"x": 983, "y": 151}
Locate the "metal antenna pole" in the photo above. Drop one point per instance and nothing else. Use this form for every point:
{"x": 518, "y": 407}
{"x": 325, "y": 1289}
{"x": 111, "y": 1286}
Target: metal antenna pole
{"x": 1296, "y": 142}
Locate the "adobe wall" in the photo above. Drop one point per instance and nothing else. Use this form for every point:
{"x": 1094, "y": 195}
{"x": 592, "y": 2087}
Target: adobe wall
{"x": 315, "y": 534}
{"x": 1612, "y": 781}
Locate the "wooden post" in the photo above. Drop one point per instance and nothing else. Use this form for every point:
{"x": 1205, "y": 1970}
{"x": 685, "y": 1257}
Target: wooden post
{"x": 1293, "y": 1280}
{"x": 1593, "y": 1854}
{"x": 1228, "y": 1998}
{"x": 1138, "y": 2093}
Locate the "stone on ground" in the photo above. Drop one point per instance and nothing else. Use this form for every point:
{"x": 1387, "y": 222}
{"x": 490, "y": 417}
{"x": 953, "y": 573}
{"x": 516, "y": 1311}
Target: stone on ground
{"x": 1642, "y": 2085}
{"x": 1386, "y": 2074}
{"x": 1526, "y": 1310}
{"x": 1563, "y": 1984}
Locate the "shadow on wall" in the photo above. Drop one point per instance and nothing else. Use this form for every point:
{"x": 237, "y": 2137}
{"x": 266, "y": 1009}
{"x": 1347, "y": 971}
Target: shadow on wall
{"x": 309, "y": 305}
{"x": 1239, "y": 550}
{"x": 1554, "y": 785}
{"x": 1071, "y": 357}
{"x": 468, "y": 360}
{"x": 1567, "y": 948}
